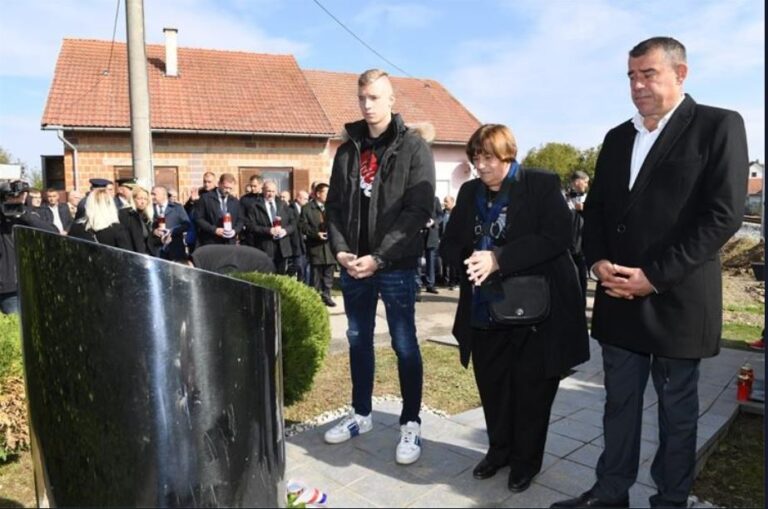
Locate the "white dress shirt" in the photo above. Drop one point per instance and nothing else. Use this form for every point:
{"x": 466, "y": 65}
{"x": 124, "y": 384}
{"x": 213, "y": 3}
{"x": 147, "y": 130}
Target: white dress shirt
{"x": 644, "y": 140}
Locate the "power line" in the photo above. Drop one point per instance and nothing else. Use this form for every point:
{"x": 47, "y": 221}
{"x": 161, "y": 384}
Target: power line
{"x": 360, "y": 40}
{"x": 114, "y": 31}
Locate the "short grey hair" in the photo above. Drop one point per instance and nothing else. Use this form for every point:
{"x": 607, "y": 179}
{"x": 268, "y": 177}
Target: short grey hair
{"x": 673, "y": 48}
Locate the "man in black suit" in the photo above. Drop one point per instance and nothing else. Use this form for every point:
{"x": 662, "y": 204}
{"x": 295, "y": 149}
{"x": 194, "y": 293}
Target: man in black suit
{"x": 54, "y": 212}
{"x": 171, "y": 222}
{"x": 269, "y": 225}
{"x": 668, "y": 192}
{"x": 212, "y": 211}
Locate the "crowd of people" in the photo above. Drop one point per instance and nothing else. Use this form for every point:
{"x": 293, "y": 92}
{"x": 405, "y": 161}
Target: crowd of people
{"x": 668, "y": 192}
{"x": 291, "y": 232}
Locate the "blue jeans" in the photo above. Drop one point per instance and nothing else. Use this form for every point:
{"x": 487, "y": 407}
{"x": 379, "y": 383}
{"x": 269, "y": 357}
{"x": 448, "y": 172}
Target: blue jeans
{"x": 398, "y": 292}
{"x": 9, "y": 303}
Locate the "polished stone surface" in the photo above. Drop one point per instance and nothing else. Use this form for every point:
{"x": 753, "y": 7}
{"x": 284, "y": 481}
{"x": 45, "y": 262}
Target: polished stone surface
{"x": 149, "y": 383}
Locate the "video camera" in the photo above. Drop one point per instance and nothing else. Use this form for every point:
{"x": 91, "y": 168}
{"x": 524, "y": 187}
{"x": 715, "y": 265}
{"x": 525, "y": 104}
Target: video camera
{"x": 12, "y": 189}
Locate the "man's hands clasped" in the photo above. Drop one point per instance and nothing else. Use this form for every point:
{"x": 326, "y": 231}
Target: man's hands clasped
{"x": 622, "y": 282}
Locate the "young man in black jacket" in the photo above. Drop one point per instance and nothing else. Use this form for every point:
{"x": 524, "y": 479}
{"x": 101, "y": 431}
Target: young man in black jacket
{"x": 381, "y": 194}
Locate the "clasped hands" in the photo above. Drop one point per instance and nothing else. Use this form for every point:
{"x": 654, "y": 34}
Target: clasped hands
{"x": 480, "y": 265}
{"x": 622, "y": 282}
{"x": 358, "y": 268}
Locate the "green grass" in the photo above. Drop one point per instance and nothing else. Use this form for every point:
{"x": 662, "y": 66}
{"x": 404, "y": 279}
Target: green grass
{"x": 752, "y": 308}
{"x": 734, "y": 475}
{"x": 736, "y": 335}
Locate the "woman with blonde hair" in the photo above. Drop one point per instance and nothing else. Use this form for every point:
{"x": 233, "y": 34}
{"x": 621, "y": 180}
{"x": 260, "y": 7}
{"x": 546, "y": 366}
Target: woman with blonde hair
{"x": 137, "y": 220}
{"x": 513, "y": 221}
{"x": 101, "y": 223}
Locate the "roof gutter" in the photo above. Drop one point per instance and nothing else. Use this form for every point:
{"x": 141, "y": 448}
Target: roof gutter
{"x": 60, "y": 134}
{"x": 188, "y": 131}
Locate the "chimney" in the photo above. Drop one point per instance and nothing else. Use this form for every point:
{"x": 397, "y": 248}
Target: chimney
{"x": 171, "y": 52}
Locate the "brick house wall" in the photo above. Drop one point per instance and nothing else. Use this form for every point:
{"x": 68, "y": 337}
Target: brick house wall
{"x": 101, "y": 154}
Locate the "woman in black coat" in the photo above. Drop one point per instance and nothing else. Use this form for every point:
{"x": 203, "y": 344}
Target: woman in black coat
{"x": 514, "y": 221}
{"x": 100, "y": 222}
{"x": 137, "y": 220}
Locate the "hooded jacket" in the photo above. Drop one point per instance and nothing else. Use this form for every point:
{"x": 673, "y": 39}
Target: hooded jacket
{"x": 402, "y": 197}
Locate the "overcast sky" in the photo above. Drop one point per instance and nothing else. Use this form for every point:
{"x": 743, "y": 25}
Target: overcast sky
{"x": 552, "y": 70}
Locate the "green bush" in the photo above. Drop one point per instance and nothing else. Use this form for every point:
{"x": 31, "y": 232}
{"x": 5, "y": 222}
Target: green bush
{"x": 306, "y": 331}
{"x": 10, "y": 346}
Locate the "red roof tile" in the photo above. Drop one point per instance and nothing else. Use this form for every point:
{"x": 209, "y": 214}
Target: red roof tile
{"x": 754, "y": 185}
{"x": 416, "y": 100}
{"x": 232, "y": 91}
{"x": 215, "y": 90}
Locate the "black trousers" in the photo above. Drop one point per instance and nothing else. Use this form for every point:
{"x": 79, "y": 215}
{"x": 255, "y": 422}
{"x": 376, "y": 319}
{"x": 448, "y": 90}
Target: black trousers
{"x": 676, "y": 384}
{"x": 516, "y": 400}
{"x": 322, "y": 277}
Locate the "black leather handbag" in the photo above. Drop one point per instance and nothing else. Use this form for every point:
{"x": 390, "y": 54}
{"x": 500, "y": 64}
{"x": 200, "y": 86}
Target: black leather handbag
{"x": 519, "y": 300}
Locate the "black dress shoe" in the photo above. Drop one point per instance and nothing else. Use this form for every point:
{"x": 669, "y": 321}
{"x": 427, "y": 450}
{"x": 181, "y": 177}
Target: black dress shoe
{"x": 328, "y": 302}
{"x": 518, "y": 483}
{"x": 485, "y": 469}
{"x": 586, "y": 499}
{"x": 432, "y": 289}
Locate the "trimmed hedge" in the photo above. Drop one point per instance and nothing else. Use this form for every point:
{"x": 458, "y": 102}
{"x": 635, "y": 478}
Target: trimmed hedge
{"x": 306, "y": 331}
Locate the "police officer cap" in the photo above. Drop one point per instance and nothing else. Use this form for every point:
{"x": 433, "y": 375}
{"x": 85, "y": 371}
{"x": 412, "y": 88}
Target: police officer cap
{"x": 96, "y": 183}
{"x": 127, "y": 182}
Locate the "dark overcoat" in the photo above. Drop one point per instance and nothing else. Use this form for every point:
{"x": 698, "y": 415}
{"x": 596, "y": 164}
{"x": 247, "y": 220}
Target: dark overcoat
{"x": 687, "y": 201}
{"x": 538, "y": 235}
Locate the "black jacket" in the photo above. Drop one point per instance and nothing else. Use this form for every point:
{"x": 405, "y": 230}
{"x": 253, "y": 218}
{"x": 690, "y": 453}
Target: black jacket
{"x": 401, "y": 201}
{"x": 312, "y": 223}
{"x": 258, "y": 224}
{"x": 47, "y": 214}
{"x": 208, "y": 217}
{"x": 139, "y": 230}
{"x": 114, "y": 235}
{"x": 8, "y": 281}
{"x": 687, "y": 201}
{"x": 538, "y": 234}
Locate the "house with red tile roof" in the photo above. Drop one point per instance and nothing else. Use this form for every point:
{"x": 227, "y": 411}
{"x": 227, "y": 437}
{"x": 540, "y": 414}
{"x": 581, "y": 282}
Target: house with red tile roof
{"x": 226, "y": 111}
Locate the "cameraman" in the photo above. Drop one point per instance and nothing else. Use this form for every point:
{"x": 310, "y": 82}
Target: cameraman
{"x": 577, "y": 193}
{"x": 13, "y": 211}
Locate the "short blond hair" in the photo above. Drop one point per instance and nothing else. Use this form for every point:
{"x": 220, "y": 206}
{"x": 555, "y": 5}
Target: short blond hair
{"x": 370, "y": 76}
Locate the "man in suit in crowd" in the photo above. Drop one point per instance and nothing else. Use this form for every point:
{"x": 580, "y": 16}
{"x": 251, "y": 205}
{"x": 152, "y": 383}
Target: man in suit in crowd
{"x": 168, "y": 240}
{"x": 209, "y": 184}
{"x": 668, "y": 192}
{"x": 321, "y": 257}
{"x": 254, "y": 194}
{"x": 54, "y": 212}
{"x": 211, "y": 211}
{"x": 269, "y": 226}
{"x": 74, "y": 197}
{"x": 450, "y": 274}
{"x": 575, "y": 197}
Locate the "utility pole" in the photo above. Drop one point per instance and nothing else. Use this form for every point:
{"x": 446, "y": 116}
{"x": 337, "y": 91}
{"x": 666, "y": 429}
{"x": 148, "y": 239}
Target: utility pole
{"x": 138, "y": 84}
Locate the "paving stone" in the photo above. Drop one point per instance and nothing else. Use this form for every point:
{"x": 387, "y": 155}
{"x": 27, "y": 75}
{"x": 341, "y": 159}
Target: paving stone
{"x": 535, "y": 496}
{"x": 347, "y": 498}
{"x": 639, "y": 495}
{"x": 589, "y": 416}
{"x": 483, "y": 493}
{"x": 470, "y": 417}
{"x": 393, "y": 486}
{"x": 650, "y": 433}
{"x": 586, "y": 455}
{"x": 467, "y": 441}
{"x": 439, "y": 462}
{"x": 443, "y": 496}
{"x": 568, "y": 477}
{"x": 577, "y": 430}
{"x": 561, "y": 446}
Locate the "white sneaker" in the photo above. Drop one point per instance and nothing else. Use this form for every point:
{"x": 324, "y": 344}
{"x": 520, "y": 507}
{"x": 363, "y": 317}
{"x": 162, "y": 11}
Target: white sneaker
{"x": 409, "y": 448}
{"x": 350, "y": 426}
